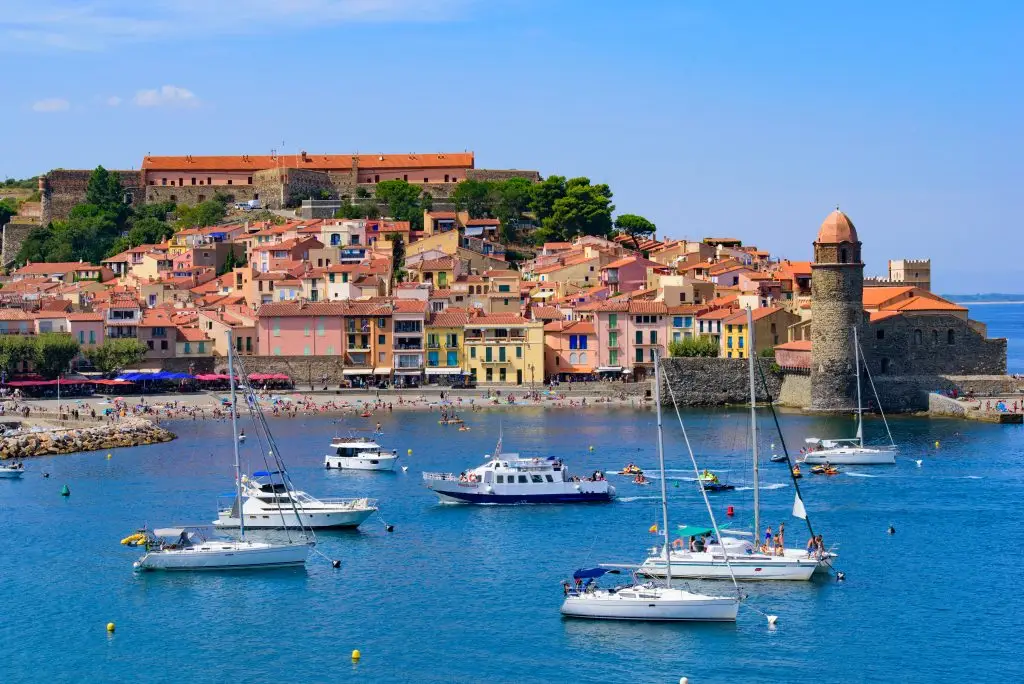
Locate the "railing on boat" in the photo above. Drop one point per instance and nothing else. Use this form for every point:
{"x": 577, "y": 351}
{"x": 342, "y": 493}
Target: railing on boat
{"x": 440, "y": 476}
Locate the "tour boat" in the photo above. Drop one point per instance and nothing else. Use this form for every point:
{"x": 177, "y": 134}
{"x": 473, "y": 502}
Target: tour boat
{"x": 510, "y": 479}
{"x": 851, "y": 451}
{"x": 268, "y": 503}
{"x": 12, "y": 471}
{"x": 696, "y": 554}
{"x": 357, "y": 453}
{"x": 647, "y": 601}
{"x": 187, "y": 548}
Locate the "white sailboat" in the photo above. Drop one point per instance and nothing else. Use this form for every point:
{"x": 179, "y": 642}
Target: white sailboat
{"x": 851, "y": 451}
{"x": 647, "y": 601}
{"x": 187, "y": 548}
{"x": 730, "y": 556}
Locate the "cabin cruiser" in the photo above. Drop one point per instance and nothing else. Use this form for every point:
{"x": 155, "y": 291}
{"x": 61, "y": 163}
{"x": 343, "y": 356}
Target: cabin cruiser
{"x": 268, "y": 504}
{"x": 647, "y": 601}
{"x": 846, "y": 452}
{"x": 12, "y": 470}
{"x": 188, "y": 548}
{"x": 358, "y": 453}
{"x": 509, "y": 479}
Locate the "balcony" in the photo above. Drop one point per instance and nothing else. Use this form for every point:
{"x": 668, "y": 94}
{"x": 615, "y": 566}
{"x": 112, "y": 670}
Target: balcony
{"x": 494, "y": 362}
{"x": 414, "y": 327}
{"x": 433, "y": 345}
{"x": 410, "y": 346}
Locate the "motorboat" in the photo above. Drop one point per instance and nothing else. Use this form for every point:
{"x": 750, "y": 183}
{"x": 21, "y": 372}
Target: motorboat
{"x": 710, "y": 482}
{"x": 796, "y": 472}
{"x": 648, "y": 600}
{"x": 267, "y": 503}
{"x": 851, "y": 451}
{"x": 188, "y": 548}
{"x": 511, "y": 479}
{"x": 642, "y": 601}
{"x": 11, "y": 471}
{"x": 359, "y": 453}
{"x": 825, "y": 469}
{"x": 631, "y": 469}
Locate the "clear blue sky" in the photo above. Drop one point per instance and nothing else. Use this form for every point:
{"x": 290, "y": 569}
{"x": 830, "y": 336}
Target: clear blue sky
{"x": 747, "y": 118}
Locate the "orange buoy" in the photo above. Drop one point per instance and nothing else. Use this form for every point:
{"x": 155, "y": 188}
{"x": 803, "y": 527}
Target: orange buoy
{"x": 730, "y": 511}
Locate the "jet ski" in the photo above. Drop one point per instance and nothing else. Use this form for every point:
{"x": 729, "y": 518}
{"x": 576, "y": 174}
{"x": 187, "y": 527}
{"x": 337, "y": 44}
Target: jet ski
{"x": 717, "y": 486}
{"x": 824, "y": 470}
{"x": 779, "y": 458}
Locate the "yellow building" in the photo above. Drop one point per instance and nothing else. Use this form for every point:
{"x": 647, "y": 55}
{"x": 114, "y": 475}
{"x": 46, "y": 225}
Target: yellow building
{"x": 504, "y": 348}
{"x": 445, "y": 349}
{"x": 770, "y": 328}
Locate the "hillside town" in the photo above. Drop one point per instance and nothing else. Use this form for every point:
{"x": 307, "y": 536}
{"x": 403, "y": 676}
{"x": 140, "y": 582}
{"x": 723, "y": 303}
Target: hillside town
{"x": 442, "y": 297}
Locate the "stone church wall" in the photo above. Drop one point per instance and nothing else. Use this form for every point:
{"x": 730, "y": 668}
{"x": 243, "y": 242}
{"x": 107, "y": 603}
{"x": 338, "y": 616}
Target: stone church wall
{"x": 700, "y": 381}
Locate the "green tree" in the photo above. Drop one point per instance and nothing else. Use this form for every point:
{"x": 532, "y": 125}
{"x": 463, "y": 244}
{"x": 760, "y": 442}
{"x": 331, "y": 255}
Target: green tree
{"x": 13, "y": 350}
{"x": 53, "y": 353}
{"x": 586, "y": 209}
{"x": 104, "y": 190}
{"x": 208, "y": 213}
{"x": 229, "y": 263}
{"x": 543, "y": 196}
{"x": 636, "y": 227}
{"x": 397, "y": 255}
{"x": 8, "y": 208}
{"x": 402, "y": 200}
{"x": 702, "y": 345}
{"x": 475, "y": 197}
{"x": 116, "y": 354}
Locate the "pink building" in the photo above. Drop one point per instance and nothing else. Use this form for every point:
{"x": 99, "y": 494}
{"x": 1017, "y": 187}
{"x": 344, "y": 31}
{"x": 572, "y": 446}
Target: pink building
{"x": 627, "y": 274}
{"x": 276, "y": 257}
{"x": 570, "y": 350}
{"x": 86, "y": 328}
{"x": 630, "y": 336}
{"x": 301, "y": 329}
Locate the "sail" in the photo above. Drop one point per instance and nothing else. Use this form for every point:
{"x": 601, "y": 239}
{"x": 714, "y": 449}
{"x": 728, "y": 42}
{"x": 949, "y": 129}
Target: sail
{"x": 798, "y": 508}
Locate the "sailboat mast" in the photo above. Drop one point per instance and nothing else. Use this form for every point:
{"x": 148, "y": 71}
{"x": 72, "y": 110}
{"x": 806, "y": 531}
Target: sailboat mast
{"x": 860, "y": 410}
{"x": 234, "y": 434}
{"x": 753, "y": 423}
{"x": 661, "y": 465}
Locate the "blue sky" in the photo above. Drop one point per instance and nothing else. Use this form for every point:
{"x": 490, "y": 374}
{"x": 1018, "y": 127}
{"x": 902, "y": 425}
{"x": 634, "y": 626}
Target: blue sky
{"x": 746, "y": 118}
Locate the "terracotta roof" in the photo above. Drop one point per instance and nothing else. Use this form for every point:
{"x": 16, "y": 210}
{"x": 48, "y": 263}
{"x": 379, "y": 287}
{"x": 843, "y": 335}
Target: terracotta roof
{"x": 192, "y": 335}
{"x": 837, "y": 227}
{"x": 717, "y": 314}
{"x": 46, "y": 268}
{"x": 440, "y": 263}
{"x": 924, "y": 304}
{"x": 452, "y": 317}
{"x": 501, "y": 273}
{"x": 442, "y": 214}
{"x": 557, "y": 245}
{"x": 795, "y": 345}
{"x": 483, "y": 222}
{"x": 55, "y": 305}
{"x": 686, "y": 309}
{"x": 14, "y": 315}
{"x": 625, "y": 261}
{"x": 310, "y": 161}
{"x": 499, "y": 319}
{"x": 406, "y": 306}
{"x": 574, "y": 327}
{"x": 876, "y": 296}
{"x": 545, "y": 313}
{"x": 288, "y": 244}
{"x": 647, "y": 307}
{"x": 882, "y": 315}
{"x": 83, "y": 317}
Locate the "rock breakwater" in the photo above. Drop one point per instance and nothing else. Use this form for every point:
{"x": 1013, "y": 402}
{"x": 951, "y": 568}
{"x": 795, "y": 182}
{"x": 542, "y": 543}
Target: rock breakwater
{"x": 73, "y": 440}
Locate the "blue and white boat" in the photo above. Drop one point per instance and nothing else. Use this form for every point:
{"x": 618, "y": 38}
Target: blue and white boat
{"x": 511, "y": 479}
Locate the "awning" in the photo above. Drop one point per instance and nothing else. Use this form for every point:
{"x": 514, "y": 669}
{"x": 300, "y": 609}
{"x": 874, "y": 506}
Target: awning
{"x": 691, "y": 531}
{"x": 542, "y": 295}
{"x": 382, "y": 371}
{"x": 406, "y": 371}
{"x": 589, "y": 573}
{"x": 357, "y": 371}
{"x": 609, "y": 369}
{"x": 444, "y": 371}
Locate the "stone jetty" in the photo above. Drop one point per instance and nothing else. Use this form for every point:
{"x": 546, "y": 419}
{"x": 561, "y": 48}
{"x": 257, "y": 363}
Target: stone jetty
{"x": 134, "y": 432}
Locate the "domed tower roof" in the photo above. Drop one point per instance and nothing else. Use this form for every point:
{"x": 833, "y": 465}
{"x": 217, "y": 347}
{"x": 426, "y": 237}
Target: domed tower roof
{"x": 837, "y": 227}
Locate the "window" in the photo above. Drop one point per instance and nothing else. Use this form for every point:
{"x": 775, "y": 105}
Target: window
{"x": 188, "y": 348}
{"x": 500, "y": 479}
{"x": 381, "y": 323}
{"x": 320, "y": 327}
{"x": 842, "y": 255}
{"x": 149, "y": 343}
{"x": 879, "y": 334}
{"x": 488, "y": 354}
{"x": 376, "y": 178}
{"x": 522, "y": 479}
{"x": 381, "y": 339}
{"x": 728, "y": 328}
{"x": 305, "y": 350}
{"x": 653, "y": 353}
{"x": 549, "y": 478}
{"x": 488, "y": 374}
{"x": 728, "y": 343}
{"x": 202, "y": 348}
{"x": 654, "y": 337}
{"x": 277, "y": 327}
{"x": 163, "y": 345}
{"x": 92, "y": 337}
{"x": 917, "y": 337}
{"x": 677, "y": 322}
{"x": 613, "y": 339}
{"x": 501, "y": 374}
{"x": 728, "y": 355}
{"x": 885, "y": 365}
{"x": 472, "y": 352}
{"x": 583, "y": 358}
{"x": 613, "y": 320}
{"x": 81, "y": 337}
{"x": 519, "y": 352}
{"x": 613, "y": 357}
{"x": 452, "y": 358}
{"x": 572, "y": 341}
{"x": 574, "y": 358}
{"x": 950, "y": 337}
{"x": 193, "y": 180}
{"x": 229, "y": 181}
{"x": 639, "y": 355}
{"x": 446, "y": 178}
{"x": 250, "y": 180}
{"x": 426, "y": 180}
{"x": 741, "y": 338}
{"x": 209, "y": 180}
{"x": 432, "y": 358}
{"x": 306, "y": 329}
{"x": 639, "y": 337}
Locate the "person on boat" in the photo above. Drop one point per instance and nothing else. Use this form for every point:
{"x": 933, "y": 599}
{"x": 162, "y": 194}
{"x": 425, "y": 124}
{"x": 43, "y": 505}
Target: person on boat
{"x": 782, "y": 536}
{"x": 768, "y": 535}
{"x": 693, "y": 543}
{"x": 565, "y": 587}
{"x": 378, "y": 428}
{"x": 812, "y": 545}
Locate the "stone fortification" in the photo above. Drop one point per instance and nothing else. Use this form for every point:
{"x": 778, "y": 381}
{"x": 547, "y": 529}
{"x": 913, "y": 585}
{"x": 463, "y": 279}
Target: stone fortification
{"x": 194, "y": 194}
{"x": 502, "y": 175}
{"x": 14, "y": 235}
{"x": 931, "y": 345}
{"x": 135, "y": 432}
{"x": 701, "y": 381}
{"x": 61, "y": 190}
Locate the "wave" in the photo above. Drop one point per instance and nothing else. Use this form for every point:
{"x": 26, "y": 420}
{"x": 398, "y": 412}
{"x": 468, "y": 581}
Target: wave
{"x": 630, "y": 499}
{"x": 972, "y": 477}
{"x": 861, "y": 475}
{"x": 774, "y": 485}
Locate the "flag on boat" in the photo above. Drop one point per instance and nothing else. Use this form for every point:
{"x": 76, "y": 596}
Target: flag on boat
{"x": 653, "y": 528}
{"x": 798, "y": 508}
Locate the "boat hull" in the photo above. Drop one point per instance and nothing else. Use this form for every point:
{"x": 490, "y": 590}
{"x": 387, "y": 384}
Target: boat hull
{"x": 10, "y": 474}
{"x": 468, "y": 493}
{"x": 286, "y": 519}
{"x": 231, "y": 556}
{"x": 386, "y": 463}
{"x": 608, "y": 607}
{"x": 702, "y": 566}
{"x": 851, "y": 457}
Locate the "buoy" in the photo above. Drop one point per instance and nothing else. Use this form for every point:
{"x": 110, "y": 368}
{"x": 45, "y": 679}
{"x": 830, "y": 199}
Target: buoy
{"x": 936, "y": 444}
{"x": 65, "y": 491}
{"x": 335, "y": 564}
{"x": 919, "y": 462}
{"x": 892, "y": 529}
{"x": 840, "y": 576}
{"x": 389, "y": 528}
{"x": 730, "y": 511}
{"x": 356, "y": 655}
{"x": 772, "y": 620}
{"x": 108, "y": 456}
{"x": 110, "y": 627}
{"x": 46, "y": 474}
{"x": 409, "y": 452}
{"x": 684, "y": 680}
{"x": 591, "y": 447}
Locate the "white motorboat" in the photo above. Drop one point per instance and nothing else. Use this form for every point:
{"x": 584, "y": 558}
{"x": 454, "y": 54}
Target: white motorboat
{"x": 268, "y": 503}
{"x": 510, "y": 479}
{"x": 11, "y": 471}
{"x": 851, "y": 451}
{"x": 357, "y": 453}
{"x": 187, "y": 548}
{"x": 696, "y": 555}
{"x": 647, "y": 601}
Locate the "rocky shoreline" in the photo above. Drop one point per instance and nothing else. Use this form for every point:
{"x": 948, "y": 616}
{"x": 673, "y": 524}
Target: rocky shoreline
{"x": 135, "y": 432}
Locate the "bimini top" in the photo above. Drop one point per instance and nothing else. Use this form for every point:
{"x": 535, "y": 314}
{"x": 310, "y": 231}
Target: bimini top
{"x": 691, "y": 531}
{"x": 590, "y": 573}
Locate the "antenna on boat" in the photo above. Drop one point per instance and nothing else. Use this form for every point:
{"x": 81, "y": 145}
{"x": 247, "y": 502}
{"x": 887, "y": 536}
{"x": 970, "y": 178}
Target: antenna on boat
{"x": 234, "y": 434}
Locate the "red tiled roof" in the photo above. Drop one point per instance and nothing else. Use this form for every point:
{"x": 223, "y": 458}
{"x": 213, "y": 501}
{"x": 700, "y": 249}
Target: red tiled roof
{"x": 499, "y": 319}
{"x": 452, "y": 317}
{"x": 647, "y": 307}
{"x": 876, "y": 296}
{"x": 83, "y": 317}
{"x": 192, "y": 335}
{"x": 795, "y": 345}
{"x": 717, "y": 314}
{"x": 410, "y": 306}
{"x": 545, "y": 313}
{"x": 309, "y": 161}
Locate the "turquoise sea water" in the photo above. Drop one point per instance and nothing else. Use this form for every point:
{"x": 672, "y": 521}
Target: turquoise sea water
{"x": 471, "y": 594}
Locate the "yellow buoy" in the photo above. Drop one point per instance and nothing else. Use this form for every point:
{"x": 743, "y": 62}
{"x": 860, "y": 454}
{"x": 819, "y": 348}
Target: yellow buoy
{"x": 109, "y": 455}
{"x": 936, "y": 444}
{"x": 356, "y": 655}
{"x": 410, "y": 452}
{"x": 110, "y": 627}
{"x": 591, "y": 447}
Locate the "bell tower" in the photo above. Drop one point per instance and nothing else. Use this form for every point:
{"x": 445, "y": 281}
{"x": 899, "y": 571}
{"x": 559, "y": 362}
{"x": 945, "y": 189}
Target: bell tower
{"x": 837, "y": 307}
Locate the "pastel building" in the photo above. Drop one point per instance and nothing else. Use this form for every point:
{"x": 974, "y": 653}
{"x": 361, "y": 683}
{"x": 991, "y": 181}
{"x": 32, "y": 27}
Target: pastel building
{"x": 570, "y": 350}
{"x": 445, "y": 334}
{"x": 504, "y": 348}
{"x": 630, "y": 336}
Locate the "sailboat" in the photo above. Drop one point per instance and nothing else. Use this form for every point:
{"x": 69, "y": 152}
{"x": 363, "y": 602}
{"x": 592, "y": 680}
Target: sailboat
{"x": 851, "y": 451}
{"x": 188, "y": 548}
{"x": 731, "y": 556}
{"x": 650, "y": 600}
